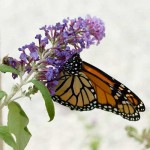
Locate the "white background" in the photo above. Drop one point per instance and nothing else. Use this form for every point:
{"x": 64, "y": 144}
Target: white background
{"x": 124, "y": 54}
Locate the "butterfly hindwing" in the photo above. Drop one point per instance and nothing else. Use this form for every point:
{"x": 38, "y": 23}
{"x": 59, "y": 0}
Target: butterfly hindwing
{"x": 76, "y": 92}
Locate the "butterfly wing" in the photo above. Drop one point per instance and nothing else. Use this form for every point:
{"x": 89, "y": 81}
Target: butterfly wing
{"x": 75, "y": 91}
{"x": 84, "y": 87}
{"x": 112, "y": 95}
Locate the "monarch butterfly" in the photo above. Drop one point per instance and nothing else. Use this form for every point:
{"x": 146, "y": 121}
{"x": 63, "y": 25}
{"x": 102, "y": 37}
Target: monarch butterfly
{"x": 84, "y": 87}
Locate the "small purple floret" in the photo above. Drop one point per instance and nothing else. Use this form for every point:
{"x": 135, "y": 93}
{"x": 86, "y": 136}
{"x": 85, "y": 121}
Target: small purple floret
{"x": 23, "y": 57}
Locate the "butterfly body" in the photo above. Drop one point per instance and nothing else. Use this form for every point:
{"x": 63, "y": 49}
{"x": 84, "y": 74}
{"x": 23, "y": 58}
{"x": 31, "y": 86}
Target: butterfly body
{"x": 84, "y": 87}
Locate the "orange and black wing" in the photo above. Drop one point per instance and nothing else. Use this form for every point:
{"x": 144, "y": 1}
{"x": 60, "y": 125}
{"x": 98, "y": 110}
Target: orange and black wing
{"x": 112, "y": 95}
{"x": 76, "y": 92}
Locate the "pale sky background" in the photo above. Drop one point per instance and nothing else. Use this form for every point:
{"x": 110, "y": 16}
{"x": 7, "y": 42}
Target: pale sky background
{"x": 124, "y": 54}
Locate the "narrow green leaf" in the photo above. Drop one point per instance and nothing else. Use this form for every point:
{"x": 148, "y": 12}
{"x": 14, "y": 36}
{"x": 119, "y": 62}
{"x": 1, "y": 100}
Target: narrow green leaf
{"x": 17, "y": 123}
{"x": 2, "y": 94}
{"x": 7, "y": 137}
{"x": 47, "y": 98}
{"x": 5, "y": 68}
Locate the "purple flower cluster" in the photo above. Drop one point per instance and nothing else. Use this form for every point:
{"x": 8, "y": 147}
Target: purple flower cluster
{"x": 60, "y": 42}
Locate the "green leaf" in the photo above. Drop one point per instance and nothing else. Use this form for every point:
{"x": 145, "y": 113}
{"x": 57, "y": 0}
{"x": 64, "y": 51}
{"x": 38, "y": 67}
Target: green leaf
{"x": 17, "y": 123}
{"x": 5, "y": 68}
{"x": 7, "y": 137}
{"x": 47, "y": 98}
{"x": 2, "y": 94}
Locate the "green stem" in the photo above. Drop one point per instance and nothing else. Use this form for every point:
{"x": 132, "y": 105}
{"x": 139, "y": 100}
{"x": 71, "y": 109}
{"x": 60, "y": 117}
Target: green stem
{"x": 18, "y": 97}
{"x": 23, "y": 82}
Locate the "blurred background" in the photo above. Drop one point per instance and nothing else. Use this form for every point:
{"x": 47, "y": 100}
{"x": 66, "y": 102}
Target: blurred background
{"x": 124, "y": 54}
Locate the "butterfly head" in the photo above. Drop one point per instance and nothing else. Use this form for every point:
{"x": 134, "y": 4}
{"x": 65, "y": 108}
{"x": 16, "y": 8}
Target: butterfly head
{"x": 74, "y": 65}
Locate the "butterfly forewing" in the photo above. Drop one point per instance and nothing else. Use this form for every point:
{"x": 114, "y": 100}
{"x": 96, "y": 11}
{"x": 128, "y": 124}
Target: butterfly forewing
{"x": 113, "y": 95}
